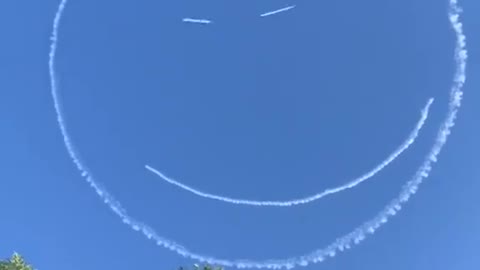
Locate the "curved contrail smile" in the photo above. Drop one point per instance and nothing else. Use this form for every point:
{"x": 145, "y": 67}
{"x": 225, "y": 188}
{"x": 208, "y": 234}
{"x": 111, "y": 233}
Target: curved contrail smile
{"x": 353, "y": 183}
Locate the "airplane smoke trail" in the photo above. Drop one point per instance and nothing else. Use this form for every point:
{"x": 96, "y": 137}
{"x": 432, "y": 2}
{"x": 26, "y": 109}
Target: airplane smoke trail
{"x": 200, "y": 21}
{"x": 277, "y": 11}
{"x": 340, "y": 244}
{"x": 353, "y": 183}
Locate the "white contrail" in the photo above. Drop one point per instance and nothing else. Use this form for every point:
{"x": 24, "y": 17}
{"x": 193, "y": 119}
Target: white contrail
{"x": 200, "y": 21}
{"x": 353, "y": 183}
{"x": 342, "y": 243}
{"x": 277, "y": 11}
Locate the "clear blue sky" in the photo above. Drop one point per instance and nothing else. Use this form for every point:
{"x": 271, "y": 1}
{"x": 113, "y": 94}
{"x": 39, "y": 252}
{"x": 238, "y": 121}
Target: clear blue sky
{"x": 262, "y": 108}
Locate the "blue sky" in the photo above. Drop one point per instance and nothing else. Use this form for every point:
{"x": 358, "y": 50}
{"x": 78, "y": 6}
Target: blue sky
{"x": 262, "y": 108}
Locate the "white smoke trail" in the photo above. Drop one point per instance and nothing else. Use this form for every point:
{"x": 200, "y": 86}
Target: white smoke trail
{"x": 277, "y": 11}
{"x": 353, "y": 183}
{"x": 200, "y": 21}
{"x": 342, "y": 243}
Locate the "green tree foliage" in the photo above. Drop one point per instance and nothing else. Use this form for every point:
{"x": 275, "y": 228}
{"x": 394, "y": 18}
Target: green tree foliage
{"x": 16, "y": 262}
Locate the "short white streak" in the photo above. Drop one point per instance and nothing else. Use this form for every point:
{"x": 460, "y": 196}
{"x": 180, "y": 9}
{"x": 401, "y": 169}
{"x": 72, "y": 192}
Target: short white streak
{"x": 342, "y": 243}
{"x": 277, "y": 11}
{"x": 200, "y": 21}
{"x": 353, "y": 183}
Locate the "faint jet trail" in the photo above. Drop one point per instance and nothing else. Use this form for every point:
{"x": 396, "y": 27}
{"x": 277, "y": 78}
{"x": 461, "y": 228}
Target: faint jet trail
{"x": 277, "y": 11}
{"x": 353, "y": 183}
{"x": 200, "y": 21}
{"x": 340, "y": 244}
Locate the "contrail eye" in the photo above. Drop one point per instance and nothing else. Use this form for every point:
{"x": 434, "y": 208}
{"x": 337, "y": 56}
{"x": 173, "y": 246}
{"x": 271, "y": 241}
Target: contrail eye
{"x": 270, "y": 13}
{"x": 200, "y": 21}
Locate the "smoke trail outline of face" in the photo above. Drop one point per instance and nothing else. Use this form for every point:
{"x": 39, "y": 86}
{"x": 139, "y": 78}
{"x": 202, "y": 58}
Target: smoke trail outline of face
{"x": 308, "y": 199}
{"x": 341, "y": 243}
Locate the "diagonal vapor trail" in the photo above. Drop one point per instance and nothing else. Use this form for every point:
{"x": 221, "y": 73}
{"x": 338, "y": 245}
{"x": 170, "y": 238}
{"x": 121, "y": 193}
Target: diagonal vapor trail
{"x": 340, "y": 244}
{"x": 308, "y": 199}
{"x": 277, "y": 11}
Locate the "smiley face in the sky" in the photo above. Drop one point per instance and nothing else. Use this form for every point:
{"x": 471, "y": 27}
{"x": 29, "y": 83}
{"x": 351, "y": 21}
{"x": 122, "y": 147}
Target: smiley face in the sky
{"x": 340, "y": 244}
